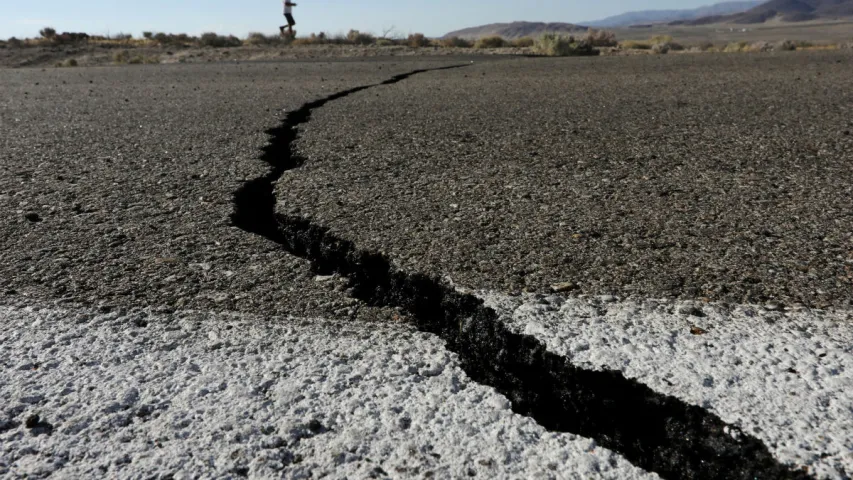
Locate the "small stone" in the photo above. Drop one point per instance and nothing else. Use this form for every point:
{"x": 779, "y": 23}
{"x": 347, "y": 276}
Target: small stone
{"x": 692, "y": 311}
{"x": 32, "y": 421}
{"x": 564, "y": 287}
{"x": 773, "y": 306}
{"x": 315, "y": 426}
{"x": 698, "y": 331}
{"x": 33, "y": 217}
{"x": 405, "y": 423}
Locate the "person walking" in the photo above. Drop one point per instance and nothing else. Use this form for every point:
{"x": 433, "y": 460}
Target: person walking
{"x": 288, "y": 14}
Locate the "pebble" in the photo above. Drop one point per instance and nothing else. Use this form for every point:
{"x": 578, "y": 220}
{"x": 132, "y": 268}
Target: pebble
{"x": 773, "y": 306}
{"x": 32, "y": 421}
{"x": 564, "y": 287}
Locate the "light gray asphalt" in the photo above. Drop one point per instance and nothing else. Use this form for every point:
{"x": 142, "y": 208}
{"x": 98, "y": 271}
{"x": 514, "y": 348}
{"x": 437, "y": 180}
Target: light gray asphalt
{"x": 725, "y": 177}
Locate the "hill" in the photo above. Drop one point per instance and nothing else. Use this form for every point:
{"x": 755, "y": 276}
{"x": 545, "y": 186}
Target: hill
{"x": 516, "y": 30}
{"x": 666, "y": 16}
{"x": 786, "y": 11}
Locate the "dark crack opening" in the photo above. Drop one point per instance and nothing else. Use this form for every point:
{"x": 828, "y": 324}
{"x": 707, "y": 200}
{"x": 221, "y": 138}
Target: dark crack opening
{"x": 653, "y": 431}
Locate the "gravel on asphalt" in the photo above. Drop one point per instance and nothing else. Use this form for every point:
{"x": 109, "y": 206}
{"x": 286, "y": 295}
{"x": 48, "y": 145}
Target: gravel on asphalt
{"x": 725, "y": 177}
{"x": 117, "y": 185}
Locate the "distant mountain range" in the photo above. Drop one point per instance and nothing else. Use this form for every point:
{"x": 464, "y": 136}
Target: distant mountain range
{"x": 738, "y": 12}
{"x": 516, "y": 30}
{"x": 646, "y": 17}
{"x": 783, "y": 10}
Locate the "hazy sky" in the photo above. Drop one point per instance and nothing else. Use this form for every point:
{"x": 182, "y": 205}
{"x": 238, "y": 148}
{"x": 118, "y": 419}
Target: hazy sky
{"x": 434, "y": 18}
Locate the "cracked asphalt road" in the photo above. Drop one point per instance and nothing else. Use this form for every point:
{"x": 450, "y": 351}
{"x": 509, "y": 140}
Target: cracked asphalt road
{"x": 727, "y": 181}
{"x": 692, "y": 176}
{"x": 117, "y": 185}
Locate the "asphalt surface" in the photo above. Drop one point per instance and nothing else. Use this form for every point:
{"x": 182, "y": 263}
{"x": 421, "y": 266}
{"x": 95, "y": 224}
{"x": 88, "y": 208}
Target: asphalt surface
{"x": 131, "y": 394}
{"x": 783, "y": 376}
{"x": 709, "y": 178}
{"x": 117, "y": 185}
{"x": 725, "y": 177}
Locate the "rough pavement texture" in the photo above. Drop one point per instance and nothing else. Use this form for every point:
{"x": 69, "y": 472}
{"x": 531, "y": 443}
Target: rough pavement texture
{"x": 718, "y": 176}
{"x": 116, "y": 185}
{"x": 132, "y": 394}
{"x": 785, "y": 377}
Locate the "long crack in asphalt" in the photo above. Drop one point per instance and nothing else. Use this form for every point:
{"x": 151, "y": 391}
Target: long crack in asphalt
{"x": 653, "y": 431}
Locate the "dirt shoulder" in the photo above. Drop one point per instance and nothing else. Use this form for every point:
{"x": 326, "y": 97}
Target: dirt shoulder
{"x": 101, "y": 55}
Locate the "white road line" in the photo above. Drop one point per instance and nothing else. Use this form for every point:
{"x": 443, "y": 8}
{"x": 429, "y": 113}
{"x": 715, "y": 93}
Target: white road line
{"x": 785, "y": 377}
{"x": 212, "y": 395}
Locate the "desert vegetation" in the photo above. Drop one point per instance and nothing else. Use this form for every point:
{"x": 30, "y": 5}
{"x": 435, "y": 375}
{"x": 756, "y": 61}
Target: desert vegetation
{"x": 50, "y": 37}
{"x": 559, "y": 45}
{"x": 663, "y": 44}
{"x": 592, "y": 42}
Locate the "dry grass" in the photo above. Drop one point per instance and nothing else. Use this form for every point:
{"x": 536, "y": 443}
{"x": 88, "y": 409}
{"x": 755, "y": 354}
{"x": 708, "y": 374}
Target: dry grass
{"x": 259, "y": 39}
{"x": 636, "y": 45}
{"x": 492, "y": 41}
{"x": 356, "y": 37}
{"x": 214, "y": 40}
{"x": 455, "y": 42}
{"x": 124, "y": 57}
{"x": 557, "y": 45}
{"x": 601, "y": 38}
{"x": 417, "y": 40}
{"x": 523, "y": 42}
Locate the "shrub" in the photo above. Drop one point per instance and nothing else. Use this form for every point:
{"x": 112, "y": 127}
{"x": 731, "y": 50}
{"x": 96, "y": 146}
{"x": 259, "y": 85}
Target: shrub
{"x": 180, "y": 39}
{"x": 256, "y": 38}
{"x": 557, "y": 45}
{"x": 339, "y": 39}
{"x": 69, "y": 38}
{"x": 705, "y": 46}
{"x": 47, "y": 32}
{"x": 15, "y": 43}
{"x": 636, "y": 45}
{"x": 210, "y": 39}
{"x": 148, "y": 35}
{"x": 736, "y": 47}
{"x": 358, "y": 38}
{"x": 601, "y": 38}
{"x": 71, "y": 62}
{"x": 385, "y": 42}
{"x": 456, "y": 42}
{"x": 785, "y": 45}
{"x": 416, "y": 40}
{"x": 661, "y": 48}
{"x": 493, "y": 41}
{"x": 523, "y": 42}
{"x": 123, "y": 37}
{"x": 121, "y": 57}
{"x": 760, "y": 47}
